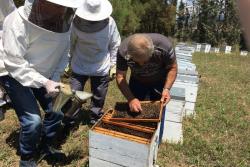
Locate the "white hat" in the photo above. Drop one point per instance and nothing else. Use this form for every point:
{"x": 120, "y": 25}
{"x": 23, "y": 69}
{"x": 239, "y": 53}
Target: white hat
{"x": 68, "y": 3}
{"x": 95, "y": 10}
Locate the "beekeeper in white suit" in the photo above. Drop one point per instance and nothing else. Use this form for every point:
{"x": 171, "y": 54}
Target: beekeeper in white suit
{"x": 6, "y": 7}
{"x": 36, "y": 43}
{"x": 94, "y": 43}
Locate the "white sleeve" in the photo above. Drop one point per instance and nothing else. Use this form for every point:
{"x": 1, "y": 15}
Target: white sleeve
{"x": 114, "y": 44}
{"x": 61, "y": 66}
{"x": 7, "y": 6}
{"x": 15, "y": 45}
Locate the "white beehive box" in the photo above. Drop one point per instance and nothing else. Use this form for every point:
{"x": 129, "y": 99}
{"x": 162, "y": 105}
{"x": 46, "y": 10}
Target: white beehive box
{"x": 191, "y": 90}
{"x": 243, "y": 53}
{"x": 106, "y": 150}
{"x": 172, "y": 132}
{"x": 198, "y": 47}
{"x": 187, "y": 78}
{"x": 207, "y": 48}
{"x": 189, "y": 109}
{"x": 228, "y": 49}
{"x": 216, "y": 50}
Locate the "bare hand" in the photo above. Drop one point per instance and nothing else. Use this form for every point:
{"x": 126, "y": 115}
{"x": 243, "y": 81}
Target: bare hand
{"x": 135, "y": 105}
{"x": 165, "y": 96}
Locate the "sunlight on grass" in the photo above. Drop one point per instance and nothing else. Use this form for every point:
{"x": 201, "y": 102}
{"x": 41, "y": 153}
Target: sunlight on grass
{"x": 218, "y": 136}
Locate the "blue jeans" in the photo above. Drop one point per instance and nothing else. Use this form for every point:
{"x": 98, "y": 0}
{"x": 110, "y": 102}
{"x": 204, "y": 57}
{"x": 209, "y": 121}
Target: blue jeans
{"x": 99, "y": 88}
{"x": 24, "y": 101}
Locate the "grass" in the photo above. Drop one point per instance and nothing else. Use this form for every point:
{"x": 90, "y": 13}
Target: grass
{"x": 218, "y": 136}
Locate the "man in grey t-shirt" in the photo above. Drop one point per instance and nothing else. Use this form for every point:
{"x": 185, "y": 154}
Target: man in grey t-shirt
{"x": 153, "y": 66}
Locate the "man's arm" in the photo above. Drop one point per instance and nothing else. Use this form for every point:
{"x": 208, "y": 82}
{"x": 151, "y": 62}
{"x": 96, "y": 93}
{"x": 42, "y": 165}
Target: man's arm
{"x": 171, "y": 67}
{"x": 15, "y": 45}
{"x": 171, "y": 76}
{"x": 134, "y": 103}
{"x": 123, "y": 85}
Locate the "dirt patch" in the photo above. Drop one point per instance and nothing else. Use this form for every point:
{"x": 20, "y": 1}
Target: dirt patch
{"x": 149, "y": 111}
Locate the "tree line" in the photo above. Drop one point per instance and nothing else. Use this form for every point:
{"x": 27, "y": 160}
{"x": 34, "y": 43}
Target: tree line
{"x": 209, "y": 21}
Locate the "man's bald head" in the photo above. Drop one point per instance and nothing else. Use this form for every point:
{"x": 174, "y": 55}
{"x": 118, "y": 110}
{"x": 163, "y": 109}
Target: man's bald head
{"x": 140, "y": 47}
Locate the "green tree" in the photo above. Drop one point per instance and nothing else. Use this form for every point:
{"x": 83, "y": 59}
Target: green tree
{"x": 159, "y": 17}
{"x": 218, "y": 22}
{"x": 19, "y": 2}
{"x": 125, "y": 16}
{"x": 180, "y": 20}
{"x": 231, "y": 26}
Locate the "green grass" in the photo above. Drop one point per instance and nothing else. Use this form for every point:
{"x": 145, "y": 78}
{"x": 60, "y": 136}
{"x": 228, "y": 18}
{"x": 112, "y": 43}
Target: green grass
{"x": 220, "y": 133}
{"x": 218, "y": 136}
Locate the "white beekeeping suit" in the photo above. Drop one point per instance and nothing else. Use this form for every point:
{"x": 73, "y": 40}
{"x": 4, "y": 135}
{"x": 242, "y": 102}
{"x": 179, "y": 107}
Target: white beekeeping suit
{"x": 6, "y": 7}
{"x": 29, "y": 42}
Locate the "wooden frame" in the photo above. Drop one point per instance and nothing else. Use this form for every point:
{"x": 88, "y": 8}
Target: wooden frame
{"x": 139, "y": 120}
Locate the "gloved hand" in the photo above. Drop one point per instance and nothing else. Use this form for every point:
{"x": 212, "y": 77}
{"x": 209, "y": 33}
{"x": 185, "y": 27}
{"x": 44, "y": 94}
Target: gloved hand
{"x": 112, "y": 72}
{"x": 53, "y": 87}
{"x": 135, "y": 105}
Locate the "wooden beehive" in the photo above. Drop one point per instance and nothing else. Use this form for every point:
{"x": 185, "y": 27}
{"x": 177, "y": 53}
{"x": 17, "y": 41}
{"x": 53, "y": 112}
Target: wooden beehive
{"x": 109, "y": 147}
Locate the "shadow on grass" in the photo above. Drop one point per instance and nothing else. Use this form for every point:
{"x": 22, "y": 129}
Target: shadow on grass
{"x": 82, "y": 118}
{"x": 71, "y": 125}
{"x": 13, "y": 140}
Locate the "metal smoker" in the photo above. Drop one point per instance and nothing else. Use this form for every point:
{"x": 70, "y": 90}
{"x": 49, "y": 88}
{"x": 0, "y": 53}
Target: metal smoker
{"x": 75, "y": 98}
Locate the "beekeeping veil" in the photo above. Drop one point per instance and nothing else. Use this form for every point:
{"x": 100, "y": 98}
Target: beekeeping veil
{"x": 52, "y": 15}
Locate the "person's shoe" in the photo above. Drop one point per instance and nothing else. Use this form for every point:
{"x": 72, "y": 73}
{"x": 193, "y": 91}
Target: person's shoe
{"x": 95, "y": 118}
{"x": 92, "y": 122}
{"x": 2, "y": 102}
{"x": 51, "y": 154}
{"x": 68, "y": 122}
{"x": 29, "y": 163}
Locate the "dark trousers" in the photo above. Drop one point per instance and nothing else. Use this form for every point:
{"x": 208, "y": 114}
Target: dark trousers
{"x": 99, "y": 88}
{"x": 150, "y": 92}
{"x": 143, "y": 91}
{"x": 24, "y": 101}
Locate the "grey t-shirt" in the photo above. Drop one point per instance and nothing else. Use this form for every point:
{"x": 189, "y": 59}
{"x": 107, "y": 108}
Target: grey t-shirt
{"x": 156, "y": 68}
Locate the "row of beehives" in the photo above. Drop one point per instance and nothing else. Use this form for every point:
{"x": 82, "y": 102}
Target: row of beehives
{"x": 206, "y": 48}
{"x": 184, "y": 94}
{"x": 108, "y": 148}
